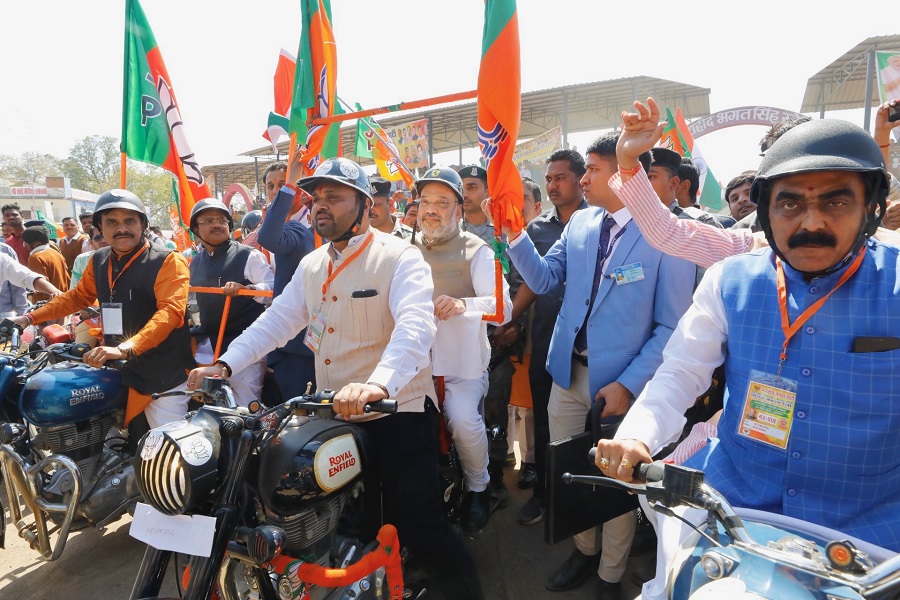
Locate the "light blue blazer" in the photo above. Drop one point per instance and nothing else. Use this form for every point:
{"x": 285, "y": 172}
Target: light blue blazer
{"x": 629, "y": 324}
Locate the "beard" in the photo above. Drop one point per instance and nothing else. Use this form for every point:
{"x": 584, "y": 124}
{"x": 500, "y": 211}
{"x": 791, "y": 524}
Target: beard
{"x": 437, "y": 233}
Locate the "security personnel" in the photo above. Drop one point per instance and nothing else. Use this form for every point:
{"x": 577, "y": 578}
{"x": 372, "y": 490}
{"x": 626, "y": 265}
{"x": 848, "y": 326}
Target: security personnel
{"x": 475, "y": 189}
{"x": 381, "y": 215}
{"x": 228, "y": 264}
{"x": 142, "y": 289}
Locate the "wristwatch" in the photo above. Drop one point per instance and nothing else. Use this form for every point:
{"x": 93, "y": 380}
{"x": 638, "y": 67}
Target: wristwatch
{"x": 224, "y": 366}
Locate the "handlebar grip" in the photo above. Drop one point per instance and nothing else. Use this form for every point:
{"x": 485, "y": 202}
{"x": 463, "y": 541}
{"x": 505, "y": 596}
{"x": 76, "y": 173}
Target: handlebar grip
{"x": 649, "y": 472}
{"x": 118, "y": 364}
{"x": 388, "y": 407}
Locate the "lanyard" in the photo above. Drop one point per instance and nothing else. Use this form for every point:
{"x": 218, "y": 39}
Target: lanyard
{"x": 608, "y": 250}
{"x": 789, "y": 328}
{"x": 112, "y": 282}
{"x": 332, "y": 276}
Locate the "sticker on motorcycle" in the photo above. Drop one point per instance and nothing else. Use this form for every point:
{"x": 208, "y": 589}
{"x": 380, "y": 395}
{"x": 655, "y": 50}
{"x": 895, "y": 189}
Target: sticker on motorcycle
{"x": 337, "y": 462}
{"x": 290, "y": 586}
{"x": 152, "y": 444}
{"x": 197, "y": 452}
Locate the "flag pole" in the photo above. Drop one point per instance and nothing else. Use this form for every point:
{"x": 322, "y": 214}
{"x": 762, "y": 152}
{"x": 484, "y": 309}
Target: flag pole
{"x": 395, "y": 107}
{"x": 123, "y": 176}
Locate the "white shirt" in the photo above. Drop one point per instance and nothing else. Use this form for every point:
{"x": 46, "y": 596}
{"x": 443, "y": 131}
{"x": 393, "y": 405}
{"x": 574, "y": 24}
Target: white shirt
{"x": 13, "y": 271}
{"x": 694, "y": 351}
{"x": 622, "y": 218}
{"x": 461, "y": 347}
{"x": 410, "y": 304}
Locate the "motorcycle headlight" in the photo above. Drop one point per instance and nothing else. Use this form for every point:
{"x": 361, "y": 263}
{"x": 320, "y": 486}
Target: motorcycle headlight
{"x": 177, "y": 466}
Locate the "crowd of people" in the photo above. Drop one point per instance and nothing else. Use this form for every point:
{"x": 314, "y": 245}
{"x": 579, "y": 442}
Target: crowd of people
{"x": 625, "y": 295}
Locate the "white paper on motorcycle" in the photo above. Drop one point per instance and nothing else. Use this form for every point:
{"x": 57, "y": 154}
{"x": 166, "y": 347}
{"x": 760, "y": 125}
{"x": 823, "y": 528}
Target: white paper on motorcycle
{"x": 182, "y": 533}
{"x": 768, "y": 411}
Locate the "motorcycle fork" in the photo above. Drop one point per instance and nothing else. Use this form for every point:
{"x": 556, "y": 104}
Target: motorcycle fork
{"x": 22, "y": 480}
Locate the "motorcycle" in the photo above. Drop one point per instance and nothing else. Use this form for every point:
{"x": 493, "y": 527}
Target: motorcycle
{"x": 276, "y": 483}
{"x": 742, "y": 553}
{"x": 61, "y": 453}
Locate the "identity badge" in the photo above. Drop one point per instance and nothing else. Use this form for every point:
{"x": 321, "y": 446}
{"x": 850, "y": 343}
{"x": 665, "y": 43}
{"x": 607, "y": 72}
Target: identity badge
{"x": 315, "y": 329}
{"x": 628, "y": 273}
{"x": 768, "y": 411}
{"x": 111, "y": 315}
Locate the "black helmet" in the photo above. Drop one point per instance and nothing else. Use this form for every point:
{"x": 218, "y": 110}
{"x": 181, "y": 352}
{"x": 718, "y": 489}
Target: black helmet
{"x": 341, "y": 170}
{"x": 824, "y": 145}
{"x": 442, "y": 174}
{"x": 251, "y": 221}
{"x": 211, "y": 204}
{"x": 118, "y": 199}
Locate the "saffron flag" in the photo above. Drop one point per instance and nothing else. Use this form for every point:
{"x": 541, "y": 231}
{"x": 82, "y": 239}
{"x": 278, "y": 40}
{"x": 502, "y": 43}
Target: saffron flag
{"x": 677, "y": 136}
{"x": 314, "y": 91}
{"x": 373, "y": 142}
{"x": 499, "y": 108}
{"x": 278, "y": 123}
{"x": 152, "y": 128}
{"x": 181, "y": 232}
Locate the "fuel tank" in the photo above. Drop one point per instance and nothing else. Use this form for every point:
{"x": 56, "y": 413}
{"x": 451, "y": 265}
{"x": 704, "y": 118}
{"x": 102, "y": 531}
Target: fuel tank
{"x": 69, "y": 392}
{"x": 310, "y": 459}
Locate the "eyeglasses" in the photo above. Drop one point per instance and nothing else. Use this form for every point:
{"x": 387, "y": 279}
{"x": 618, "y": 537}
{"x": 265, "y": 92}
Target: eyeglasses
{"x": 98, "y": 238}
{"x": 208, "y": 222}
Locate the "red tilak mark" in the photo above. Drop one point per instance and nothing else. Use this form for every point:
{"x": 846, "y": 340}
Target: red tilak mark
{"x": 810, "y": 188}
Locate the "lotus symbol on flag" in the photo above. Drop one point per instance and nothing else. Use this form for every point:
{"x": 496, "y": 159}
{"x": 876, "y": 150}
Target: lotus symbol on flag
{"x": 490, "y": 142}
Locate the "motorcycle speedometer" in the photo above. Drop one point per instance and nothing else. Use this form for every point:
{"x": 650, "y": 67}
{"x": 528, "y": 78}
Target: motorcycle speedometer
{"x": 178, "y": 466}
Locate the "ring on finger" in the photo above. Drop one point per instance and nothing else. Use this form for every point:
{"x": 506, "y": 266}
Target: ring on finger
{"x": 625, "y": 463}
{"x": 604, "y": 463}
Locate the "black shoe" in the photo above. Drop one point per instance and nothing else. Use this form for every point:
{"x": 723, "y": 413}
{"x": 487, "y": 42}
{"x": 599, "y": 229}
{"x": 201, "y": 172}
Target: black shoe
{"x": 475, "y": 510}
{"x": 573, "y": 572}
{"x": 499, "y": 494}
{"x": 527, "y": 476}
{"x": 608, "y": 591}
{"x": 510, "y": 460}
{"x": 532, "y": 512}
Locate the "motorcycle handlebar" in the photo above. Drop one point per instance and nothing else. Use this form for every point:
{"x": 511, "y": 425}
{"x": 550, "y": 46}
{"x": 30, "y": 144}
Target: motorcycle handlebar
{"x": 647, "y": 472}
{"x": 324, "y": 399}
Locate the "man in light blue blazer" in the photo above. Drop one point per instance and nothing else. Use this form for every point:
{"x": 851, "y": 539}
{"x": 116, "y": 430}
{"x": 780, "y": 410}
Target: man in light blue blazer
{"x": 623, "y": 300}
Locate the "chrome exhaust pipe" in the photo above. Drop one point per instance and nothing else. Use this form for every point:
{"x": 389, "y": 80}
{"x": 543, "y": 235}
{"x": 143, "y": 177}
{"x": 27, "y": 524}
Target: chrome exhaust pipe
{"x": 24, "y": 481}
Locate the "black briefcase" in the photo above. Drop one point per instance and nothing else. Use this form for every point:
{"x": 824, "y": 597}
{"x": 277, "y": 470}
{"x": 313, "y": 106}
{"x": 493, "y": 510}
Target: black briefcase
{"x": 577, "y": 507}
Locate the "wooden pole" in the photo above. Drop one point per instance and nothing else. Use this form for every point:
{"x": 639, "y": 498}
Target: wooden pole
{"x": 123, "y": 166}
{"x": 395, "y": 107}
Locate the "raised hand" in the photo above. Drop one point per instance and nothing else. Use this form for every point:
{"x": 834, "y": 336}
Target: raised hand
{"x": 641, "y": 131}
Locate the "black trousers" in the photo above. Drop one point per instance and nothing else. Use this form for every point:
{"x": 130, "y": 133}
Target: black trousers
{"x": 405, "y": 447}
{"x": 541, "y": 382}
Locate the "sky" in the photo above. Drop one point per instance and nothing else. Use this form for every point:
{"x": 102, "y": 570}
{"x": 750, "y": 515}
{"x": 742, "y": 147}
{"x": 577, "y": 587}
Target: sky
{"x": 61, "y": 61}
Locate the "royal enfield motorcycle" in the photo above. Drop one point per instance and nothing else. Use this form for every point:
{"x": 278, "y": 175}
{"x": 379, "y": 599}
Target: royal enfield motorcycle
{"x": 274, "y": 488}
{"x": 62, "y": 454}
{"x": 743, "y": 554}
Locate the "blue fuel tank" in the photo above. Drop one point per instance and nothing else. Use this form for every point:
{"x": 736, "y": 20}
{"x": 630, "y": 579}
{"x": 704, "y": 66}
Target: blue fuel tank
{"x": 70, "y": 392}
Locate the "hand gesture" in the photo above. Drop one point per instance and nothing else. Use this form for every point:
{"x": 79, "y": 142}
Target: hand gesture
{"x": 446, "y": 307}
{"x": 641, "y": 130}
{"x": 617, "y": 458}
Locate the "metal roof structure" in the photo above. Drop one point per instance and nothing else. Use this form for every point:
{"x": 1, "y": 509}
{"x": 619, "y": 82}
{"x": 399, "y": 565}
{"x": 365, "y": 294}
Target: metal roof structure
{"x": 842, "y": 84}
{"x": 580, "y": 107}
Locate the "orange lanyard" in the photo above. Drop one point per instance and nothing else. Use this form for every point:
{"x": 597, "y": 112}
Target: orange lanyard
{"x": 112, "y": 282}
{"x": 787, "y": 327}
{"x": 332, "y": 276}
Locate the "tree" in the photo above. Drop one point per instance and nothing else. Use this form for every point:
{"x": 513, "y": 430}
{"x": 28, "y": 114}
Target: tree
{"x": 29, "y": 167}
{"x": 93, "y": 163}
{"x": 154, "y": 187}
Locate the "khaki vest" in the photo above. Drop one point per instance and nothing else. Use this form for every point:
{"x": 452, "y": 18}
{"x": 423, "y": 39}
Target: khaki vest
{"x": 450, "y": 262}
{"x": 357, "y": 330}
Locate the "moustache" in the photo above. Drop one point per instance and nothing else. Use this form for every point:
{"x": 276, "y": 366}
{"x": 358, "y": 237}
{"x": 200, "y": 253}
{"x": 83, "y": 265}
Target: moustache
{"x": 122, "y": 235}
{"x": 812, "y": 238}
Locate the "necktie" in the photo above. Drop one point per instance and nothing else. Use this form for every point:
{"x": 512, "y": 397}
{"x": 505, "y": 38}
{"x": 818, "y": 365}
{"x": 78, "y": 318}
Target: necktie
{"x": 602, "y": 252}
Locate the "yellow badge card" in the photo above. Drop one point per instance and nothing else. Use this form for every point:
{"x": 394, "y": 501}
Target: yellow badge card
{"x": 768, "y": 411}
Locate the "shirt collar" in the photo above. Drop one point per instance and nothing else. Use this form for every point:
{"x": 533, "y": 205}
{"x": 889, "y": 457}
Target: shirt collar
{"x": 336, "y": 254}
{"x": 554, "y": 212}
{"x": 38, "y": 249}
{"x": 621, "y": 217}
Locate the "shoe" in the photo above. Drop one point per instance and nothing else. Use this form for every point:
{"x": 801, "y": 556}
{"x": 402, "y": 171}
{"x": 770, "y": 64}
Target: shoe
{"x": 510, "y": 460}
{"x": 532, "y": 512}
{"x": 475, "y": 510}
{"x": 527, "y": 476}
{"x": 609, "y": 591}
{"x": 644, "y": 537}
{"x": 573, "y": 572}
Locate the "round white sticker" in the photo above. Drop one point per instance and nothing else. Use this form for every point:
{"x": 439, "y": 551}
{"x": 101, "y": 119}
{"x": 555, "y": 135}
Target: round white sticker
{"x": 349, "y": 169}
{"x": 323, "y": 168}
{"x": 197, "y": 451}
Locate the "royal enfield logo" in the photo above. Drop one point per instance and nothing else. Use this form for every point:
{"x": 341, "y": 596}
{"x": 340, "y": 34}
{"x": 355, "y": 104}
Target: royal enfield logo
{"x": 88, "y": 394}
{"x": 337, "y": 462}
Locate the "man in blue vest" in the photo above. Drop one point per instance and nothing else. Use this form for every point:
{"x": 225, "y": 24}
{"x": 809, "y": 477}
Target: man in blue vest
{"x": 225, "y": 263}
{"x": 810, "y": 339}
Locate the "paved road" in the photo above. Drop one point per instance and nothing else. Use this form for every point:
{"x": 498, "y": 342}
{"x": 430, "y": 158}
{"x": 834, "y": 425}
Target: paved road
{"x": 514, "y": 562}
